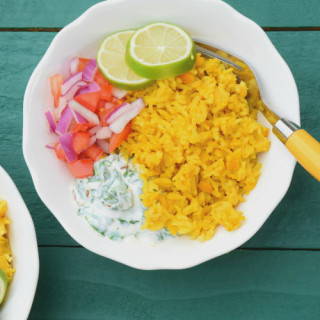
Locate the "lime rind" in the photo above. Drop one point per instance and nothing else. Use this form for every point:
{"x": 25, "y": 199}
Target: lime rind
{"x": 155, "y": 70}
{"x": 117, "y": 72}
{"x": 3, "y": 285}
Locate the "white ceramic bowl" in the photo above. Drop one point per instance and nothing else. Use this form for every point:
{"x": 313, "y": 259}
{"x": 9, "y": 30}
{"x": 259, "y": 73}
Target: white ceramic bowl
{"x": 212, "y": 21}
{"x": 23, "y": 243}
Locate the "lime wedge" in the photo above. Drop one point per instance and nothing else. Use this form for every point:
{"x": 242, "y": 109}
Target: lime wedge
{"x": 160, "y": 50}
{"x": 111, "y": 62}
{"x": 3, "y": 285}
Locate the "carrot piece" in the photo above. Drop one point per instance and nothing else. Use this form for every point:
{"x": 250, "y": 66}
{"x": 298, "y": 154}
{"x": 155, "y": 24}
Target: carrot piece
{"x": 205, "y": 186}
{"x": 187, "y": 78}
{"x": 82, "y": 64}
{"x": 117, "y": 138}
{"x": 59, "y": 152}
{"x": 88, "y": 100}
{"x": 100, "y": 79}
{"x": 94, "y": 152}
{"x": 199, "y": 61}
{"x": 233, "y": 164}
{"x": 105, "y": 93}
{"x": 56, "y": 82}
{"x": 265, "y": 131}
{"x": 80, "y": 141}
{"x": 81, "y": 168}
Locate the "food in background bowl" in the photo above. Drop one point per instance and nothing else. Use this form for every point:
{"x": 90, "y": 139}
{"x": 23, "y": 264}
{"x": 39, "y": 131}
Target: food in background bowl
{"x": 6, "y": 269}
{"x": 183, "y": 149}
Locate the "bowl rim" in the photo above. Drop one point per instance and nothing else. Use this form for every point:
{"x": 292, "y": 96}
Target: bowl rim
{"x": 28, "y": 225}
{"x": 73, "y": 233}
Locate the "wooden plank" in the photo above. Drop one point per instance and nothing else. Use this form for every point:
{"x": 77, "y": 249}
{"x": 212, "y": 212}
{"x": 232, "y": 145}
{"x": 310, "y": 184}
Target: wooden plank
{"x": 76, "y": 284}
{"x": 19, "y": 56}
{"x": 58, "y": 13}
{"x": 299, "y": 212}
{"x": 294, "y": 224}
{"x": 280, "y": 13}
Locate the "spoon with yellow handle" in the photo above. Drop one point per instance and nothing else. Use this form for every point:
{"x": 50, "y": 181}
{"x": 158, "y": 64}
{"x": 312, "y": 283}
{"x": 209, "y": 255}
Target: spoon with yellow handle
{"x": 300, "y": 143}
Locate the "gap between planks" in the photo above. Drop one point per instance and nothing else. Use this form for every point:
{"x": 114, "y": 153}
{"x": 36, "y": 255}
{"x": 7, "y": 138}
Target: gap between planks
{"x": 269, "y": 29}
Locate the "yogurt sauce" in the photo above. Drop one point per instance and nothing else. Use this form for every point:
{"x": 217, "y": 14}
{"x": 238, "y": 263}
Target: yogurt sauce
{"x": 109, "y": 200}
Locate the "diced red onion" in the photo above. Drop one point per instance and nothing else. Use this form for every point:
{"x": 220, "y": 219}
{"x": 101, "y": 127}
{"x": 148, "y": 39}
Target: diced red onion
{"x": 49, "y": 147}
{"x": 125, "y": 107}
{"x": 59, "y": 110}
{"x": 78, "y": 85}
{"x": 74, "y": 63}
{"x": 69, "y": 95}
{"x": 66, "y": 144}
{"x": 118, "y": 93}
{"x": 90, "y": 70}
{"x": 103, "y": 133}
{"x": 91, "y": 87}
{"x": 84, "y": 112}
{"x": 51, "y": 121}
{"x": 70, "y": 82}
{"x": 65, "y": 121}
{"x": 92, "y": 141}
{"x": 94, "y": 130}
{"x": 118, "y": 124}
{"x": 103, "y": 145}
{"x": 78, "y": 117}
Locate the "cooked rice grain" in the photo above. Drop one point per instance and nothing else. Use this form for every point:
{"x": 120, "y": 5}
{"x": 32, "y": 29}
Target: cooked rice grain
{"x": 196, "y": 145}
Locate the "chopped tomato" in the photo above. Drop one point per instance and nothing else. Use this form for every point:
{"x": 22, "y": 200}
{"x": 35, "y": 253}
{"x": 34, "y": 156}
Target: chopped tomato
{"x": 80, "y": 141}
{"x": 105, "y": 93}
{"x": 80, "y": 127}
{"x": 56, "y": 82}
{"x": 101, "y": 104}
{"x": 100, "y": 79}
{"x": 81, "y": 168}
{"x": 117, "y": 138}
{"x": 59, "y": 152}
{"x": 89, "y": 100}
{"x": 82, "y": 155}
{"x": 82, "y": 64}
{"x": 94, "y": 152}
{"x": 102, "y": 116}
{"x": 103, "y": 113}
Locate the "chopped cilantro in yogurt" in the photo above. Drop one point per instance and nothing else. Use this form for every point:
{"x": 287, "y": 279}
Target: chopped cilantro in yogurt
{"x": 109, "y": 200}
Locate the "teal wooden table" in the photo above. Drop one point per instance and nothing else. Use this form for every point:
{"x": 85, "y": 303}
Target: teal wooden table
{"x": 275, "y": 275}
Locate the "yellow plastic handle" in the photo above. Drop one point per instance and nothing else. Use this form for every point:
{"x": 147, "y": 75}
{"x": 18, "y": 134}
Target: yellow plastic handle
{"x": 306, "y": 150}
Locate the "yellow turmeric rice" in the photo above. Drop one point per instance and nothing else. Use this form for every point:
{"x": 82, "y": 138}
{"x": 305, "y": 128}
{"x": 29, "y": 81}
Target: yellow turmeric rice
{"x": 196, "y": 144}
{"x": 5, "y": 252}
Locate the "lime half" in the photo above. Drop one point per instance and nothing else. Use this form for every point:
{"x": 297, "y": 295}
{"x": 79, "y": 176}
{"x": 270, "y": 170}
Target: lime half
{"x": 3, "y": 285}
{"x": 160, "y": 50}
{"x": 111, "y": 62}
